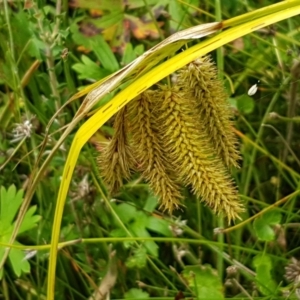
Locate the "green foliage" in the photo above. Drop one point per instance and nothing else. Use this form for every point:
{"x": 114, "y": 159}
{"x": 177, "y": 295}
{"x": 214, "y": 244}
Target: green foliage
{"x": 131, "y": 53}
{"x": 204, "y": 282}
{"x": 138, "y": 259}
{"x": 245, "y": 104}
{"x": 141, "y": 224}
{"x": 136, "y": 294}
{"x": 10, "y": 201}
{"x": 89, "y": 69}
{"x": 104, "y": 54}
{"x": 48, "y": 52}
{"x": 119, "y": 21}
{"x": 263, "y": 267}
{"x": 181, "y": 13}
{"x": 263, "y": 225}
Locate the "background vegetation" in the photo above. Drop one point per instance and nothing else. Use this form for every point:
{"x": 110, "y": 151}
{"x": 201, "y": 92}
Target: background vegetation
{"x": 51, "y": 49}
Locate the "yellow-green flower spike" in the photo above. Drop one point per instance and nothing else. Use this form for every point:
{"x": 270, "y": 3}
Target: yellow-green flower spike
{"x": 200, "y": 81}
{"x": 193, "y": 157}
{"x": 116, "y": 159}
{"x": 150, "y": 153}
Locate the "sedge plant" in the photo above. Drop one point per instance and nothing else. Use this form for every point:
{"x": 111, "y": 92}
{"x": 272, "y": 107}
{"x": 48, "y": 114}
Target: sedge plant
{"x": 135, "y": 79}
{"x": 175, "y": 134}
{"x": 144, "y": 81}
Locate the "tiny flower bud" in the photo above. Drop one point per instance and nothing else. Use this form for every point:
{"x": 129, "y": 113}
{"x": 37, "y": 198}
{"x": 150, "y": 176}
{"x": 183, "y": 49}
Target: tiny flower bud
{"x": 253, "y": 89}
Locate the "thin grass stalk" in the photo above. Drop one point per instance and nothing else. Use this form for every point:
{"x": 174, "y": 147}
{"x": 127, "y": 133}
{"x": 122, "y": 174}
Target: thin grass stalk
{"x": 220, "y": 64}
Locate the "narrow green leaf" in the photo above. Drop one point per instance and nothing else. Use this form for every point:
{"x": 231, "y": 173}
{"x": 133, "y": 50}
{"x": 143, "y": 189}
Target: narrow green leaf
{"x": 150, "y": 204}
{"x": 89, "y": 69}
{"x": 129, "y": 55}
{"x": 4, "y": 238}
{"x": 126, "y": 212}
{"x": 160, "y": 226}
{"x": 141, "y": 3}
{"x": 104, "y": 54}
{"x": 109, "y": 5}
{"x": 109, "y": 20}
{"x": 78, "y": 37}
{"x": 139, "y": 50}
{"x": 177, "y": 12}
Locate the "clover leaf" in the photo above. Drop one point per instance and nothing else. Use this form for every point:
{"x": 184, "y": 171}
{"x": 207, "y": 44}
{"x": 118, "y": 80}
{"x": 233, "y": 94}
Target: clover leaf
{"x": 10, "y": 202}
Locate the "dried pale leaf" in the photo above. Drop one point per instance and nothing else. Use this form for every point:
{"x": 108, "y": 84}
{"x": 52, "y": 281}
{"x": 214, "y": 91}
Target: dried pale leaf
{"x": 147, "y": 61}
{"x": 108, "y": 281}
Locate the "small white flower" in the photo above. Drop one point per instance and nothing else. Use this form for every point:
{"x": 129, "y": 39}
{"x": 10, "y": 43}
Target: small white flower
{"x": 22, "y": 130}
{"x": 82, "y": 189}
{"x": 218, "y": 230}
{"x": 273, "y": 115}
{"x": 180, "y": 252}
{"x": 253, "y": 89}
{"x": 29, "y": 254}
{"x": 177, "y": 227}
